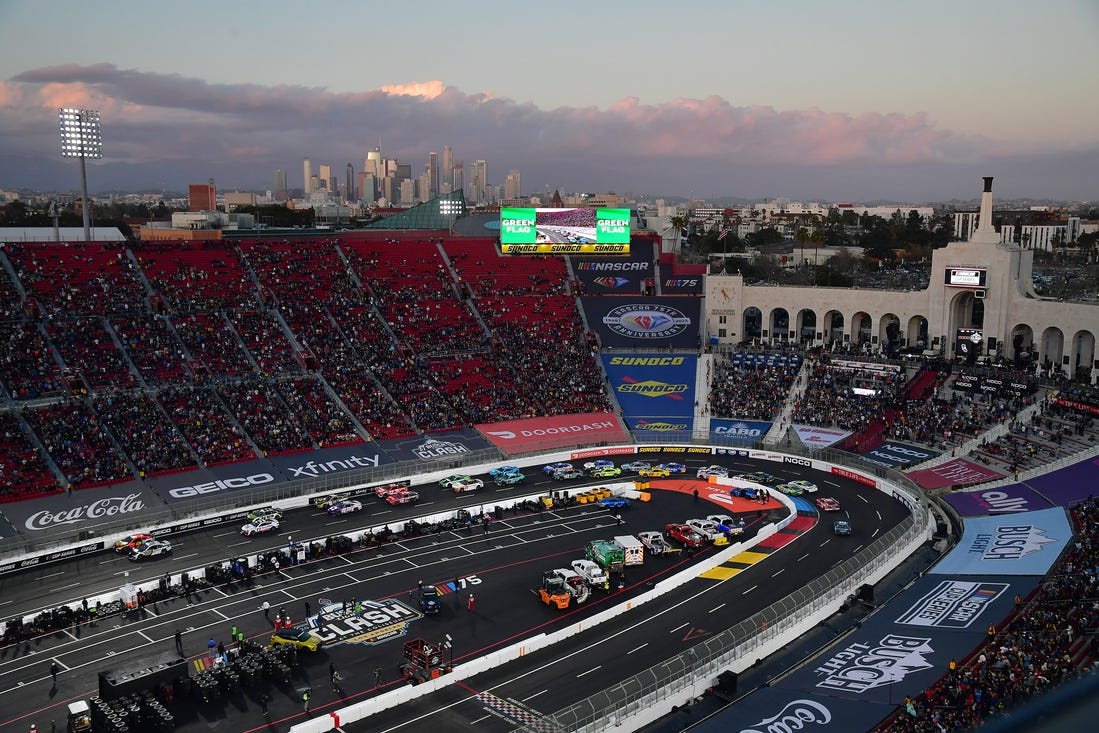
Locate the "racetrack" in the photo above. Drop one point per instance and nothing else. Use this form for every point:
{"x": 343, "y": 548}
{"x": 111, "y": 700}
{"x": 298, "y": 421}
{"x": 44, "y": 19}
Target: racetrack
{"x": 499, "y": 568}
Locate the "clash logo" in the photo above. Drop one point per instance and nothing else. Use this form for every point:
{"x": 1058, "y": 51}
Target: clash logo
{"x": 366, "y": 622}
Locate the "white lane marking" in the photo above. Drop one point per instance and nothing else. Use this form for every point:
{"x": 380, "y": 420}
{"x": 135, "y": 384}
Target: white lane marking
{"x": 147, "y": 638}
{"x": 750, "y": 589}
{"x": 718, "y": 608}
{"x": 832, "y": 483}
{"x": 677, "y": 628}
{"x": 64, "y": 667}
{"x": 779, "y": 572}
{"x": 598, "y": 666}
{"x": 528, "y": 699}
{"x": 631, "y": 651}
{"x": 65, "y": 587}
{"x": 53, "y": 575}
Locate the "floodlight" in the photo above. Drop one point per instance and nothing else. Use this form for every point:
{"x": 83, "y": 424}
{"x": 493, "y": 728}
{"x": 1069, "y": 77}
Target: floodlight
{"x": 81, "y": 138}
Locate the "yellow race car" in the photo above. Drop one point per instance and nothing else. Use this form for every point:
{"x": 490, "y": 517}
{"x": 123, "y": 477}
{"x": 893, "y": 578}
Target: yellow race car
{"x": 654, "y": 472}
{"x": 298, "y": 637}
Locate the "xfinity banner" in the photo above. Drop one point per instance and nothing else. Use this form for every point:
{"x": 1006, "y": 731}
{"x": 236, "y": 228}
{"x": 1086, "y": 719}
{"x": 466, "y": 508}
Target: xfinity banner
{"x": 653, "y": 385}
{"x": 1001, "y": 500}
{"x": 633, "y": 322}
{"x": 544, "y": 433}
{"x": 892, "y": 454}
{"x": 812, "y": 436}
{"x": 1019, "y": 544}
{"x": 328, "y": 461}
{"x": 726, "y": 430}
{"x": 956, "y": 472}
{"x": 436, "y": 446}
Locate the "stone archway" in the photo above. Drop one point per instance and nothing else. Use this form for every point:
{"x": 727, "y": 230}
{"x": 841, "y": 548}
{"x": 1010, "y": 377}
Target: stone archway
{"x": 753, "y": 323}
{"x": 1052, "y": 348}
{"x": 1022, "y": 345}
{"x": 1082, "y": 353}
{"x": 889, "y": 334}
{"x": 779, "y": 324}
{"x": 917, "y": 333}
{"x": 832, "y": 327}
{"x": 806, "y": 326}
{"x": 861, "y": 325}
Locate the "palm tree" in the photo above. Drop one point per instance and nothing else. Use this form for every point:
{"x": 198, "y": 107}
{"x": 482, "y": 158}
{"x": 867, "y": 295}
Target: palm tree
{"x": 817, "y": 238}
{"x": 802, "y": 236}
{"x": 677, "y": 223}
{"x": 1026, "y": 240}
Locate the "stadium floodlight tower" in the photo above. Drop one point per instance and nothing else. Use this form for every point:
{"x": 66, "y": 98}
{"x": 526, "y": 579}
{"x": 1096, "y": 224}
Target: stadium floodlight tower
{"x": 81, "y": 138}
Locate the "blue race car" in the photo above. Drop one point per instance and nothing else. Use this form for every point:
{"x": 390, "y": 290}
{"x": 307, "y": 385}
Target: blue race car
{"x": 503, "y": 471}
{"x": 615, "y": 502}
{"x": 555, "y": 467}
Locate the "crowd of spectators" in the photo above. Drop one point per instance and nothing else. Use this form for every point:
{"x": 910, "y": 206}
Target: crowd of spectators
{"x": 143, "y": 432}
{"x": 89, "y": 350}
{"x": 317, "y": 412}
{"x": 213, "y": 434}
{"x": 213, "y": 346}
{"x": 23, "y": 472}
{"x": 65, "y": 279}
{"x": 79, "y": 444}
{"x": 266, "y": 418}
{"x": 851, "y": 399}
{"x": 752, "y": 385}
{"x": 28, "y": 370}
{"x": 1049, "y": 639}
{"x": 152, "y": 348}
{"x": 197, "y": 276}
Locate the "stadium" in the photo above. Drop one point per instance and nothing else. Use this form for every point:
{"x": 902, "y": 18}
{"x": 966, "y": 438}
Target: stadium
{"x": 165, "y": 387}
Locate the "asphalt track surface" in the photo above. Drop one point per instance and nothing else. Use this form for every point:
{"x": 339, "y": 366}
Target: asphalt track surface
{"x": 499, "y": 568}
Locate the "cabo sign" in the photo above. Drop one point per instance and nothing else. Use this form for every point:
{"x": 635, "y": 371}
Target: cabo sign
{"x": 107, "y": 507}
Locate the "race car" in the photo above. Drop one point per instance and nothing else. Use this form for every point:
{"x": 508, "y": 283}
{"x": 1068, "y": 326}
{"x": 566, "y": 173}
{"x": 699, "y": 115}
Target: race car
{"x": 260, "y": 525}
{"x": 471, "y": 485}
{"x": 841, "y": 527}
{"x": 131, "y": 541}
{"x": 503, "y": 471}
{"x": 727, "y": 524}
{"x": 347, "y": 506}
{"x": 654, "y": 542}
{"x": 673, "y": 467}
{"x": 567, "y": 474}
{"x": 807, "y": 486}
{"x": 298, "y": 637}
{"x": 402, "y": 497}
{"x": 760, "y": 477}
{"x": 509, "y": 479}
{"x": 555, "y": 467}
{"x": 457, "y": 478}
{"x": 790, "y": 489}
{"x": 636, "y": 466}
{"x": 684, "y": 534}
{"x": 266, "y": 512}
{"x": 395, "y": 488}
{"x": 707, "y": 471}
{"x": 828, "y": 504}
{"x": 605, "y": 472}
{"x": 598, "y": 463}
{"x": 590, "y": 571}
{"x": 150, "y": 549}
{"x": 654, "y": 472}
{"x": 323, "y": 502}
{"x": 614, "y": 502}
{"x": 706, "y": 528}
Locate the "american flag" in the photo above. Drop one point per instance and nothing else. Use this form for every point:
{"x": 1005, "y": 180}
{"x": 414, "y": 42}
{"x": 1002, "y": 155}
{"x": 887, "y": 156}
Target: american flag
{"x": 722, "y": 233}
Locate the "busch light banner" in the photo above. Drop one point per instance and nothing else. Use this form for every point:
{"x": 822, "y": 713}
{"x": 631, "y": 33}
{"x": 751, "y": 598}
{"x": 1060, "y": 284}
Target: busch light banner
{"x": 1016, "y": 544}
{"x": 448, "y": 445}
{"x": 617, "y": 275}
{"x": 649, "y": 322}
{"x": 726, "y": 430}
{"x": 653, "y": 385}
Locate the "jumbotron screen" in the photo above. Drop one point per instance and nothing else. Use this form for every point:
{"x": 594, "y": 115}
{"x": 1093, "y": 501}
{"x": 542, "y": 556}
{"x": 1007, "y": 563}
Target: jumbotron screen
{"x": 565, "y": 231}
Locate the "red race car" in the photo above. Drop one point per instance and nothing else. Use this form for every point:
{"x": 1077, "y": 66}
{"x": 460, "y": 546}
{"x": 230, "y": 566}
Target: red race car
{"x": 828, "y": 504}
{"x": 131, "y": 542}
{"x": 402, "y": 497}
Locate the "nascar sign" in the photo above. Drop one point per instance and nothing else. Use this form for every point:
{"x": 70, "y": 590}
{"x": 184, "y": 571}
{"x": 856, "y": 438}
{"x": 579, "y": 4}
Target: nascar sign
{"x": 653, "y": 386}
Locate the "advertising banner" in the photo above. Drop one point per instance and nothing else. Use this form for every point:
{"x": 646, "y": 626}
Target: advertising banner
{"x": 681, "y": 285}
{"x": 618, "y": 275}
{"x": 892, "y": 454}
{"x": 653, "y": 428}
{"x": 774, "y": 709}
{"x": 533, "y": 433}
{"x": 956, "y": 472}
{"x": 564, "y": 231}
{"x": 217, "y": 480}
{"x": 909, "y": 643}
{"x": 436, "y": 446}
{"x": 627, "y": 322}
{"x": 1070, "y": 485}
{"x": 325, "y": 462}
{"x": 813, "y": 436}
{"x": 653, "y": 385}
{"x": 68, "y": 514}
{"x": 1022, "y": 544}
{"x": 1001, "y": 500}
{"x": 747, "y": 430}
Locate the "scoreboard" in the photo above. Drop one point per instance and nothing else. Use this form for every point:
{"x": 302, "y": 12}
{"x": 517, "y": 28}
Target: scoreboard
{"x": 576, "y": 231}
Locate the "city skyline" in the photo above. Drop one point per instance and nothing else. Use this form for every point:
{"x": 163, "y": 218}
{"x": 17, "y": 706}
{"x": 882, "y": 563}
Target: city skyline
{"x": 874, "y": 103}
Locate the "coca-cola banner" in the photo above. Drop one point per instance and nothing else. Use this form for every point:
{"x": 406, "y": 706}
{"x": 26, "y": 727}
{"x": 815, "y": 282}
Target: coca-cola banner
{"x": 450, "y": 445}
{"x": 957, "y": 472}
{"x": 69, "y": 514}
{"x": 536, "y": 433}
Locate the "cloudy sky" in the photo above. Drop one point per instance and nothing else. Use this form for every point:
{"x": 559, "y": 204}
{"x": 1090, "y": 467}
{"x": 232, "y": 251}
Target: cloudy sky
{"x": 838, "y": 100}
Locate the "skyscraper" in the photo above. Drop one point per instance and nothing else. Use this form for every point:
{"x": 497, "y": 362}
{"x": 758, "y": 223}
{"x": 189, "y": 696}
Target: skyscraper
{"x": 308, "y": 170}
{"x": 373, "y": 163}
{"x": 512, "y": 187}
{"x": 448, "y": 169}
{"x": 324, "y": 177}
{"x": 478, "y": 185}
{"x": 350, "y": 183}
{"x": 433, "y": 176}
{"x": 457, "y": 177}
{"x": 279, "y": 191}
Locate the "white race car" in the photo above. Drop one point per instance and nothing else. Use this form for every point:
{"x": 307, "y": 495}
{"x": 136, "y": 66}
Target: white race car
{"x": 347, "y": 506}
{"x": 262, "y": 525}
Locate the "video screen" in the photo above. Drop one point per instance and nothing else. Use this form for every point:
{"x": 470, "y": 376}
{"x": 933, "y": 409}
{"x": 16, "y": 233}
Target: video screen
{"x": 565, "y": 231}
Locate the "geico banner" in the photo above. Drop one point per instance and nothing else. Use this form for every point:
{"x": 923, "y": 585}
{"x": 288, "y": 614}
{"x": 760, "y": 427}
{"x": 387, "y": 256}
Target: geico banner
{"x": 215, "y": 480}
{"x": 653, "y": 385}
{"x": 726, "y": 429}
{"x": 520, "y": 436}
{"x": 1016, "y": 544}
{"x": 640, "y": 322}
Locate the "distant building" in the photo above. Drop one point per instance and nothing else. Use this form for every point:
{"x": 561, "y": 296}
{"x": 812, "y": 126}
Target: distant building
{"x": 279, "y": 193}
{"x": 307, "y": 173}
{"x": 513, "y": 188}
{"x": 202, "y": 197}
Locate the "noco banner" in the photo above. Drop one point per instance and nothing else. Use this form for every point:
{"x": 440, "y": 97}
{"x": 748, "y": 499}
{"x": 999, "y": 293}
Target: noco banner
{"x": 519, "y": 436}
{"x": 629, "y": 322}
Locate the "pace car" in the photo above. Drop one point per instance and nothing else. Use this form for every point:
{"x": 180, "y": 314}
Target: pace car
{"x": 555, "y": 467}
{"x": 150, "y": 549}
{"x": 130, "y": 542}
{"x": 298, "y": 637}
{"x": 261, "y": 525}
{"x": 673, "y": 467}
{"x": 605, "y": 472}
{"x": 654, "y": 472}
{"x": 828, "y": 504}
{"x": 347, "y": 506}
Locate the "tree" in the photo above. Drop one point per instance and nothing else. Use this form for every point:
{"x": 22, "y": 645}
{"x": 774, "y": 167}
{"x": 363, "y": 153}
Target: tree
{"x": 802, "y": 236}
{"x": 817, "y": 238}
{"x": 677, "y": 223}
{"x": 1025, "y": 240}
